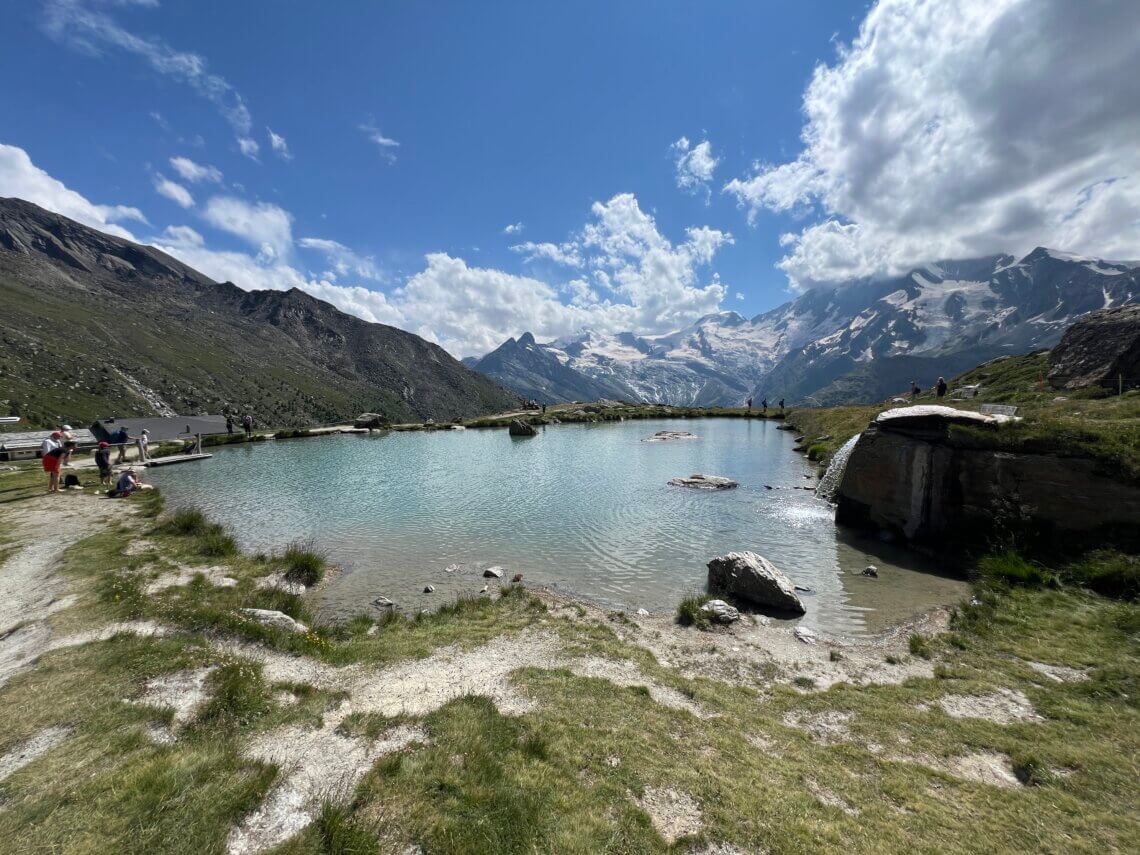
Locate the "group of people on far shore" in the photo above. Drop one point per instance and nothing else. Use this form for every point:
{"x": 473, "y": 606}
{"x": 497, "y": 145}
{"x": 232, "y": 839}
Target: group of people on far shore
{"x": 246, "y": 424}
{"x": 940, "y": 388}
{"x": 764, "y": 405}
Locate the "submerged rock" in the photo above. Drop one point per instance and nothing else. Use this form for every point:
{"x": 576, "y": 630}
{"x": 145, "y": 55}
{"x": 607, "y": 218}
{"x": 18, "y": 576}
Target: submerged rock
{"x": 704, "y": 482}
{"x": 429, "y": 589}
{"x": 670, "y": 436}
{"x": 520, "y": 428}
{"x": 383, "y": 603}
{"x": 753, "y": 578}
{"x": 275, "y": 619}
{"x": 493, "y": 573}
{"x": 720, "y": 611}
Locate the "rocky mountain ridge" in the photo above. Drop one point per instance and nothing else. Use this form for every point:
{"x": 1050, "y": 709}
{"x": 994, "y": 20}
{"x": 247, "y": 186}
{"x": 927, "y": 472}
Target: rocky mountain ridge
{"x": 96, "y": 325}
{"x": 858, "y": 342}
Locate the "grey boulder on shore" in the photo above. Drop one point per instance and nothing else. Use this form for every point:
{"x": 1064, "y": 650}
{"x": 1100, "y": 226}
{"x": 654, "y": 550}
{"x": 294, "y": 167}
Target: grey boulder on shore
{"x": 704, "y": 482}
{"x": 720, "y": 611}
{"x": 753, "y": 578}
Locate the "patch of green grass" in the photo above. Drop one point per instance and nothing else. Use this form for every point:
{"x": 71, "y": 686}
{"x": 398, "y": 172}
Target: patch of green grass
{"x": 689, "y": 611}
{"x": 211, "y": 540}
{"x": 1111, "y": 573}
{"x": 238, "y": 697}
{"x": 803, "y": 682}
{"x": 303, "y": 563}
{"x": 919, "y": 646}
{"x": 186, "y": 522}
{"x": 1010, "y": 568}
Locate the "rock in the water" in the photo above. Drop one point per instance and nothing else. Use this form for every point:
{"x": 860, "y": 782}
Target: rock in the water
{"x": 871, "y": 570}
{"x": 669, "y": 436}
{"x": 429, "y": 589}
{"x": 1101, "y": 349}
{"x": 383, "y": 603}
{"x": 276, "y": 619}
{"x": 753, "y": 578}
{"x": 493, "y": 573}
{"x": 520, "y": 428}
{"x": 704, "y": 482}
{"x": 720, "y": 611}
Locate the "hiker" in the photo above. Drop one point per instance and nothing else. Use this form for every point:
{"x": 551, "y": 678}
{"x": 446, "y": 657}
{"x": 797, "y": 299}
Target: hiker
{"x": 121, "y": 439}
{"x": 103, "y": 461}
{"x": 749, "y": 405}
{"x": 781, "y": 405}
{"x": 51, "y": 449}
{"x": 544, "y": 411}
{"x": 914, "y": 390}
{"x": 247, "y": 424}
{"x": 229, "y": 424}
{"x": 144, "y": 446}
{"x": 67, "y": 440}
{"x": 764, "y": 404}
{"x": 941, "y": 387}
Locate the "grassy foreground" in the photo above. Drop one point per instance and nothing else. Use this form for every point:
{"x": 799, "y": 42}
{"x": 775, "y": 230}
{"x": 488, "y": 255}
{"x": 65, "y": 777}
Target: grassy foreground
{"x": 763, "y": 763}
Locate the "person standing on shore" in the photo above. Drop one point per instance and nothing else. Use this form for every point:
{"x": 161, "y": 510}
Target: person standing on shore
{"x": 121, "y": 440}
{"x": 229, "y": 424}
{"x": 749, "y": 405}
{"x": 781, "y": 406}
{"x": 144, "y": 446}
{"x": 940, "y": 389}
{"x": 103, "y": 461}
{"x": 764, "y": 404}
{"x": 51, "y": 449}
{"x": 67, "y": 439}
{"x": 247, "y": 425}
{"x": 914, "y": 390}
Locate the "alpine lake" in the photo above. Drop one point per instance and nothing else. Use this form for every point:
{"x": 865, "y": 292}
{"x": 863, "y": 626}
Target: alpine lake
{"x": 583, "y": 509}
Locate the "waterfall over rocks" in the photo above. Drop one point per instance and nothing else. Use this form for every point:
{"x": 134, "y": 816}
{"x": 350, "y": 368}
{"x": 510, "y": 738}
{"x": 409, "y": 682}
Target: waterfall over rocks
{"x": 829, "y": 483}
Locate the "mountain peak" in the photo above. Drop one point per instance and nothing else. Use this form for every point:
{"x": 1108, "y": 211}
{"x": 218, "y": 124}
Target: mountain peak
{"x": 526, "y": 339}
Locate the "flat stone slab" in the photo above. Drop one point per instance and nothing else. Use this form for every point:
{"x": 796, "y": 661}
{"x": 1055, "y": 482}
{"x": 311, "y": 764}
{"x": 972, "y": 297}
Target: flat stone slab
{"x": 938, "y": 414}
{"x": 670, "y": 436}
{"x": 704, "y": 482}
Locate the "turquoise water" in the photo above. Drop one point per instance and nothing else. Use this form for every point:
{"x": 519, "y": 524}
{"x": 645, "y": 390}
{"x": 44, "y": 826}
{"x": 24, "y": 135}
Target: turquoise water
{"x": 582, "y": 508}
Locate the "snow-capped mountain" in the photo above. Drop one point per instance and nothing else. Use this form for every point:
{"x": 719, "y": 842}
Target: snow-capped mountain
{"x": 860, "y": 341}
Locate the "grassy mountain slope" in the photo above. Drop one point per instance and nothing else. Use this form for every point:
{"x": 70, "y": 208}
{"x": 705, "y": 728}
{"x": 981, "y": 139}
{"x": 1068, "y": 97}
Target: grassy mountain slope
{"x": 94, "y": 325}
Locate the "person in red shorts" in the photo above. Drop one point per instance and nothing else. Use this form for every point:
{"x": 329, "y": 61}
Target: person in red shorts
{"x": 51, "y": 450}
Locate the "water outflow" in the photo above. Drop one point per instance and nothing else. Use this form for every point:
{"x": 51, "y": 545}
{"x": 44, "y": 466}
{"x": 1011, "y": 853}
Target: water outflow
{"x": 829, "y": 483}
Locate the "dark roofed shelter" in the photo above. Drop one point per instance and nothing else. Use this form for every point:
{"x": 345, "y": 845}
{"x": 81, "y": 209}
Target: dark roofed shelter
{"x": 161, "y": 429}
{"x": 26, "y": 444}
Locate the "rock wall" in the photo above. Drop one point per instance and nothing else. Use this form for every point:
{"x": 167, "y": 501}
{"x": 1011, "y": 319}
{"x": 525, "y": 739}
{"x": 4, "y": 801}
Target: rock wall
{"x": 924, "y": 490}
{"x": 1101, "y": 349}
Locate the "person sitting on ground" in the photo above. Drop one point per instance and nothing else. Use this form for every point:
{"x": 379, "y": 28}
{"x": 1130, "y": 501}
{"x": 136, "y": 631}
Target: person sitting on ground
{"x": 941, "y": 387}
{"x": 129, "y": 482}
{"x": 51, "y": 450}
{"x": 103, "y": 461}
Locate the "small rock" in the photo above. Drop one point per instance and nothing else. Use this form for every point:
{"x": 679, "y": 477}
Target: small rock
{"x": 372, "y": 630}
{"x": 802, "y": 633}
{"x": 429, "y": 589}
{"x": 383, "y": 603}
{"x": 493, "y": 573}
{"x": 802, "y": 590}
{"x": 483, "y": 590}
{"x": 271, "y": 617}
{"x": 720, "y": 611}
{"x": 872, "y": 571}
{"x": 642, "y": 613}
{"x": 697, "y": 481}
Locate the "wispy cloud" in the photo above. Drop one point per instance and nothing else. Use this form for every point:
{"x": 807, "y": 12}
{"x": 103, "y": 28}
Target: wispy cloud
{"x": 695, "y": 166}
{"x": 513, "y": 228}
{"x": 278, "y": 144}
{"x": 343, "y": 261}
{"x": 387, "y": 145}
{"x": 195, "y": 172}
{"x": 173, "y": 190}
{"x": 80, "y": 25}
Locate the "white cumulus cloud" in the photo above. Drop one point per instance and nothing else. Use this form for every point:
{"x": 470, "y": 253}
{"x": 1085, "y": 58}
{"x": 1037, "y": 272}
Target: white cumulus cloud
{"x": 343, "y": 260}
{"x": 956, "y": 129}
{"x": 21, "y": 178}
{"x": 513, "y": 228}
{"x": 265, "y": 226}
{"x": 695, "y": 165}
{"x": 566, "y": 254}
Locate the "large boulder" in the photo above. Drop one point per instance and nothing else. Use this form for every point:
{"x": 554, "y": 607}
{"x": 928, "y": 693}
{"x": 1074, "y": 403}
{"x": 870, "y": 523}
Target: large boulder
{"x": 1101, "y": 349}
{"x": 370, "y": 420}
{"x": 520, "y": 428}
{"x": 754, "y": 579}
{"x": 275, "y": 619}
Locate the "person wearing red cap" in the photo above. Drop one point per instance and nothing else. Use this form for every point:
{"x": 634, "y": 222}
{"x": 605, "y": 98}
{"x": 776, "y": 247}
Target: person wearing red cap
{"x": 51, "y": 449}
{"x": 103, "y": 461}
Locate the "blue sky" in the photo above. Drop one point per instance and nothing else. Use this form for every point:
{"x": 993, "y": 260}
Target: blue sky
{"x": 413, "y": 134}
